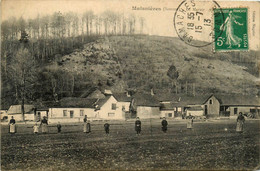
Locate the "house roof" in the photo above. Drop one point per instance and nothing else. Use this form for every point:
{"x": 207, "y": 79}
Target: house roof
{"x": 45, "y": 105}
{"x": 195, "y": 108}
{"x": 184, "y": 100}
{"x": 93, "y": 93}
{"x": 163, "y": 96}
{"x": 143, "y": 99}
{"x": 238, "y": 100}
{"x": 122, "y": 97}
{"x": 235, "y": 100}
{"x": 101, "y": 102}
{"x": 77, "y": 102}
{"x": 16, "y": 109}
{"x": 168, "y": 106}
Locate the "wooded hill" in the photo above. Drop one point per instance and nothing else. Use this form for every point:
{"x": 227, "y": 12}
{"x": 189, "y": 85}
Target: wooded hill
{"x": 49, "y": 68}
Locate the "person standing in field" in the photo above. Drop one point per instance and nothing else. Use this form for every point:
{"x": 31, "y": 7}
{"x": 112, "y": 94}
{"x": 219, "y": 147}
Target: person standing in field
{"x": 35, "y": 128}
{"x": 12, "y": 126}
{"x": 44, "y": 125}
{"x": 88, "y": 127}
{"x": 240, "y": 123}
{"x": 59, "y": 127}
{"x": 164, "y": 125}
{"x": 138, "y": 126}
{"x": 106, "y": 126}
{"x": 85, "y": 124}
{"x": 189, "y": 122}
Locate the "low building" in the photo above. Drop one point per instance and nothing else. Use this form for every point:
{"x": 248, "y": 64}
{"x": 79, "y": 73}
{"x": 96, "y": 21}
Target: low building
{"x": 16, "y": 112}
{"x": 146, "y": 106}
{"x": 232, "y": 105}
{"x": 72, "y": 109}
{"x": 167, "y": 110}
{"x": 195, "y": 111}
{"x": 204, "y": 105}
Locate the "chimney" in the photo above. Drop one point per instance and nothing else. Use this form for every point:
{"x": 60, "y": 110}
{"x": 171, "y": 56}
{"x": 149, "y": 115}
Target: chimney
{"x": 108, "y": 92}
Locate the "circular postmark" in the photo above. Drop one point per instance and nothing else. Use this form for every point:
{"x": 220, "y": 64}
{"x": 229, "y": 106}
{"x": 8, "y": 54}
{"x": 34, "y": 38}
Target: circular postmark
{"x": 194, "y": 22}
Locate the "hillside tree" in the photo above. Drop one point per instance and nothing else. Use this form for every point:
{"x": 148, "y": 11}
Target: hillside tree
{"x": 23, "y": 71}
{"x": 173, "y": 74}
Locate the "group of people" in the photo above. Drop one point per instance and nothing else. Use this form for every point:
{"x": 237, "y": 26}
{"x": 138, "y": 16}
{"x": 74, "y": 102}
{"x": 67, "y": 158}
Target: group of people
{"x": 43, "y": 125}
{"x": 87, "y": 127}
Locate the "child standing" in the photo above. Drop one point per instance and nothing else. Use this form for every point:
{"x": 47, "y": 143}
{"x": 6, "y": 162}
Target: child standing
{"x": 35, "y": 128}
{"x": 59, "y": 127}
{"x": 106, "y": 126}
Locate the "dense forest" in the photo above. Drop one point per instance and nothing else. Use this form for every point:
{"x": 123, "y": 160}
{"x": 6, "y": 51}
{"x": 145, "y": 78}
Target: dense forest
{"x": 64, "y": 55}
{"x": 30, "y": 45}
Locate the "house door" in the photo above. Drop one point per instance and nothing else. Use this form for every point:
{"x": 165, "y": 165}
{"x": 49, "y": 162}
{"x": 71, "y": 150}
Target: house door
{"x": 235, "y": 111}
{"x": 206, "y": 110}
{"x": 71, "y": 114}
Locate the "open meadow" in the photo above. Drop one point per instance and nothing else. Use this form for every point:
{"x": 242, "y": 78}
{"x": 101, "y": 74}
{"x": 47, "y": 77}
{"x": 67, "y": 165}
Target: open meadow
{"x": 207, "y": 146}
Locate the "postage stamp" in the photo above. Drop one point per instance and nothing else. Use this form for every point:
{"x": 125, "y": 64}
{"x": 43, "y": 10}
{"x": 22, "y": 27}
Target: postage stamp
{"x": 193, "y": 22}
{"x": 234, "y": 29}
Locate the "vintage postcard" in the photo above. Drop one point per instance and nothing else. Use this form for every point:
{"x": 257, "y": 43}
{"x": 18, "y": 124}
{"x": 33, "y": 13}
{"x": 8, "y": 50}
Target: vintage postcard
{"x": 130, "y": 85}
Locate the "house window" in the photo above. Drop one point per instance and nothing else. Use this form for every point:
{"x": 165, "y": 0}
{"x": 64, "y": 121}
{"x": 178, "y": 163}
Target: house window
{"x": 111, "y": 114}
{"x": 169, "y": 114}
{"x": 71, "y": 114}
{"x": 65, "y": 113}
{"x": 81, "y": 112}
{"x": 235, "y": 111}
{"x": 210, "y": 101}
{"x": 123, "y": 108}
{"x": 113, "y": 106}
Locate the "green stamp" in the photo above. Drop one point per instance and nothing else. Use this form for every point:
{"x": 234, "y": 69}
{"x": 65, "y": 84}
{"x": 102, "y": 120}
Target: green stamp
{"x": 231, "y": 29}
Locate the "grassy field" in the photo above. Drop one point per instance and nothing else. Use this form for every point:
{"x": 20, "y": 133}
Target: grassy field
{"x": 207, "y": 146}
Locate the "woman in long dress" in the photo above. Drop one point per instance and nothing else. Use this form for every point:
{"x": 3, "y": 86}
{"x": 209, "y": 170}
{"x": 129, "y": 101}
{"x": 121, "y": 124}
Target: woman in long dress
{"x": 44, "y": 125}
{"x": 12, "y": 126}
{"x": 88, "y": 127}
{"x": 240, "y": 123}
{"x": 189, "y": 122}
{"x": 164, "y": 125}
{"x": 35, "y": 128}
{"x": 85, "y": 124}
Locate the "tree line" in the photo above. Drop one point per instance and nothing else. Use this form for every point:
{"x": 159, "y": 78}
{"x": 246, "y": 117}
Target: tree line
{"x": 60, "y": 33}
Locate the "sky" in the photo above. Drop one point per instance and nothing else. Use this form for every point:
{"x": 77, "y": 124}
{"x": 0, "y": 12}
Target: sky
{"x": 157, "y": 22}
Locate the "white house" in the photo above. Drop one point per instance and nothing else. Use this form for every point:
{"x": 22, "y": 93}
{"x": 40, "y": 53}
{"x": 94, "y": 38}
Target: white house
{"x": 124, "y": 99}
{"x": 110, "y": 109}
{"x": 72, "y": 110}
{"x": 16, "y": 112}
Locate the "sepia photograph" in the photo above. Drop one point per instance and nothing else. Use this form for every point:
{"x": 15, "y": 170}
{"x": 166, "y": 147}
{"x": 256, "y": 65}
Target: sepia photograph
{"x": 130, "y": 85}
